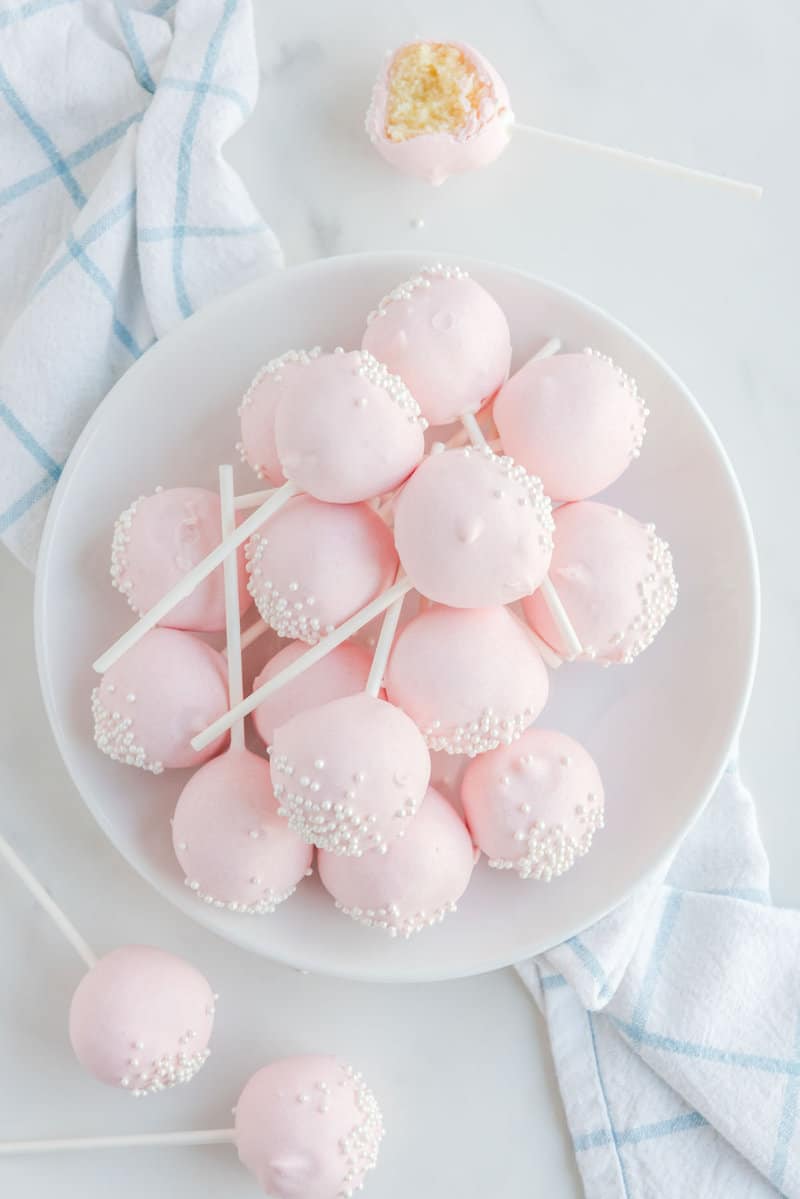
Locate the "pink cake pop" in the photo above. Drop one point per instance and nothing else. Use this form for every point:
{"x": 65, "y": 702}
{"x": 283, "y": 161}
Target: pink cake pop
{"x": 141, "y": 1018}
{"x": 156, "y": 541}
{"x": 473, "y": 530}
{"x": 343, "y": 672}
{"x": 438, "y": 108}
{"x": 446, "y": 337}
{"x": 315, "y": 564}
{"x": 575, "y": 420}
{"x": 257, "y": 413}
{"x": 306, "y": 1128}
{"x": 614, "y": 578}
{"x": 470, "y": 678}
{"x": 346, "y": 429}
{"x": 534, "y": 807}
{"x": 416, "y": 883}
{"x": 351, "y": 774}
{"x": 147, "y": 706}
{"x": 235, "y": 850}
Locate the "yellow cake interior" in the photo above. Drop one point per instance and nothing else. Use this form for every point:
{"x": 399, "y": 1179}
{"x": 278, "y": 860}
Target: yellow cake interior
{"x": 433, "y": 88}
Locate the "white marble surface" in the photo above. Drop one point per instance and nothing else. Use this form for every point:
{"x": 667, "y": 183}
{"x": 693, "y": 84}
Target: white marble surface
{"x": 710, "y": 281}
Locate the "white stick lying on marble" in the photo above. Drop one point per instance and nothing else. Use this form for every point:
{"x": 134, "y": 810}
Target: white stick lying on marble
{"x": 752, "y": 190}
{"x": 47, "y": 903}
{"x": 211, "y": 1136}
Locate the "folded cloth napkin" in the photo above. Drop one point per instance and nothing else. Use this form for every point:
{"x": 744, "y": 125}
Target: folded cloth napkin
{"x": 674, "y": 1025}
{"x": 118, "y": 214}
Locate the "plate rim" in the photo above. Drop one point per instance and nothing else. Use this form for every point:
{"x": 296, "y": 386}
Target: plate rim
{"x": 421, "y": 974}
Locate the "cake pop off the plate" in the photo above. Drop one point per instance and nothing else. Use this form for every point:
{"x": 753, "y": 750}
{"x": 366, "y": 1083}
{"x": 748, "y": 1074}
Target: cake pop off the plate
{"x": 470, "y": 678}
{"x": 306, "y": 1127}
{"x": 415, "y": 883}
{"x": 315, "y": 564}
{"x": 534, "y": 806}
{"x": 615, "y": 579}
{"x": 438, "y": 108}
{"x": 140, "y": 1019}
{"x": 575, "y": 420}
{"x": 160, "y": 537}
{"x": 446, "y": 337}
{"x": 148, "y": 705}
{"x": 235, "y": 850}
{"x": 343, "y": 672}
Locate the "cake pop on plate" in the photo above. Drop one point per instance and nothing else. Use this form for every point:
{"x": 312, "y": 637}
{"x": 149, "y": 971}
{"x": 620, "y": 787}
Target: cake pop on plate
{"x": 147, "y": 706}
{"x": 140, "y": 1019}
{"x": 347, "y": 429}
{"x": 343, "y": 672}
{"x": 534, "y": 806}
{"x": 351, "y": 774}
{"x": 473, "y": 529}
{"x": 446, "y": 337}
{"x": 157, "y": 540}
{"x": 470, "y": 678}
{"x": 575, "y": 420}
{"x": 257, "y": 413}
{"x": 614, "y": 577}
{"x": 415, "y": 883}
{"x": 235, "y": 850}
{"x": 439, "y": 108}
{"x": 315, "y": 564}
{"x": 370, "y": 437}
{"x": 306, "y": 1127}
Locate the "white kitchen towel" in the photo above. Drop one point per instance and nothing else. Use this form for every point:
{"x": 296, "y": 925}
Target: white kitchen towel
{"x": 118, "y": 213}
{"x": 675, "y": 1026}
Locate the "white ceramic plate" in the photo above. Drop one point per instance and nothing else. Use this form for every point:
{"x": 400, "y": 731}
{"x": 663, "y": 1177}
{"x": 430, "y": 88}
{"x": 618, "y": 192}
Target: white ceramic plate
{"x": 660, "y": 729}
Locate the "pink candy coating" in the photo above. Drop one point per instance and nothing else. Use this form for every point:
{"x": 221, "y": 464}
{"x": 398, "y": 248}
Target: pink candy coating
{"x": 615, "y": 580}
{"x": 416, "y": 883}
{"x": 346, "y": 429}
{"x": 350, "y": 774}
{"x": 534, "y": 806}
{"x": 473, "y": 530}
{"x": 314, "y": 564}
{"x": 157, "y": 541}
{"x": 446, "y": 337}
{"x": 308, "y": 1128}
{"x": 575, "y": 420}
{"x": 257, "y": 414}
{"x": 161, "y": 693}
{"x": 470, "y": 678}
{"x": 234, "y": 849}
{"x": 141, "y": 1019}
{"x": 435, "y": 156}
{"x": 342, "y": 672}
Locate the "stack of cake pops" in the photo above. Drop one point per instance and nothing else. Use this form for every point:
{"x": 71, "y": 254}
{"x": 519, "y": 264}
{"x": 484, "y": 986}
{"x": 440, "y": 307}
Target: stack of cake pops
{"x": 414, "y": 481}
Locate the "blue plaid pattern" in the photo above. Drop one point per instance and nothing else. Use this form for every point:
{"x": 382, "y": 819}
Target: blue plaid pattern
{"x": 96, "y": 247}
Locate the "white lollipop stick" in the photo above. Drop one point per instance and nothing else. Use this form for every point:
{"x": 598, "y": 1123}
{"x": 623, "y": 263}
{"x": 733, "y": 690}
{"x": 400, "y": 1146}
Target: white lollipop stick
{"x": 751, "y": 190}
{"x": 252, "y": 499}
{"x": 188, "y": 583}
{"x": 383, "y": 648}
{"x": 65, "y": 926}
{"x": 212, "y": 1136}
{"x": 314, "y": 654}
{"x": 233, "y": 629}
